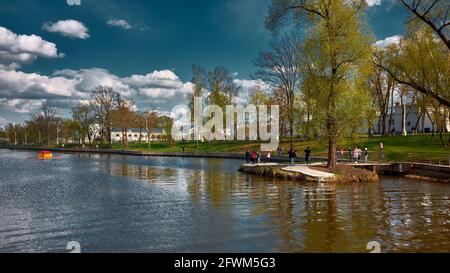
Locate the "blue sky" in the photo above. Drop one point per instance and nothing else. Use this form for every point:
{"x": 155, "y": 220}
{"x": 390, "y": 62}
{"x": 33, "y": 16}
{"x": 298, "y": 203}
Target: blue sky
{"x": 145, "y": 48}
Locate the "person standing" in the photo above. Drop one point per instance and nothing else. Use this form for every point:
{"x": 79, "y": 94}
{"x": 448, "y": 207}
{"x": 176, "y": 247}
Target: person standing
{"x": 247, "y": 156}
{"x": 341, "y": 151}
{"x": 292, "y": 156}
{"x": 381, "y": 151}
{"x": 307, "y": 156}
{"x": 356, "y": 154}
{"x": 366, "y": 155}
{"x": 268, "y": 156}
{"x": 253, "y": 157}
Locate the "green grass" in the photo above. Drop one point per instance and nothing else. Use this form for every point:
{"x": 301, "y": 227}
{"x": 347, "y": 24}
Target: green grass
{"x": 397, "y": 148}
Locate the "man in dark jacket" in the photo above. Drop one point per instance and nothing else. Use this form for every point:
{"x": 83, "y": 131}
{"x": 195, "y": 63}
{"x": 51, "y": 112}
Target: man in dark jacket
{"x": 247, "y": 157}
{"x": 307, "y": 156}
{"x": 292, "y": 156}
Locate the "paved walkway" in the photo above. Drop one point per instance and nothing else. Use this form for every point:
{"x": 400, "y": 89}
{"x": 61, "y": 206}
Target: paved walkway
{"x": 260, "y": 165}
{"x": 308, "y": 172}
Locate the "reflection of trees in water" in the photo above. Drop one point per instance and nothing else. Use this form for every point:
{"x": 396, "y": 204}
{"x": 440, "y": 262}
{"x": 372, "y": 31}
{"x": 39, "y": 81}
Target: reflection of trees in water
{"x": 311, "y": 217}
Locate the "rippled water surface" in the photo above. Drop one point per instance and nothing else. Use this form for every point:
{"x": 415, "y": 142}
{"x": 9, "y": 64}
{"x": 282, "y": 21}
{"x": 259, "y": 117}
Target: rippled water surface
{"x": 142, "y": 204}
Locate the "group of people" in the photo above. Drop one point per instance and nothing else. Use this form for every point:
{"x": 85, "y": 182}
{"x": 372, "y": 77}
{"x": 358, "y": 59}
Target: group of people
{"x": 355, "y": 154}
{"x": 254, "y": 157}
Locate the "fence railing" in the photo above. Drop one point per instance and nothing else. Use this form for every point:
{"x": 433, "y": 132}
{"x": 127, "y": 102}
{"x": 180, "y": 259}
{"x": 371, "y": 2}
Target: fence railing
{"x": 389, "y": 157}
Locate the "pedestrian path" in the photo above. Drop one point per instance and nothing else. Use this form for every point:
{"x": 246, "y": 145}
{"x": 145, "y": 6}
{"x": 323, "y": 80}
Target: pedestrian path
{"x": 305, "y": 170}
{"x": 260, "y": 165}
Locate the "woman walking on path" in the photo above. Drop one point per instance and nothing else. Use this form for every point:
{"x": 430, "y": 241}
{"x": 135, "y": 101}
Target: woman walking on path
{"x": 356, "y": 154}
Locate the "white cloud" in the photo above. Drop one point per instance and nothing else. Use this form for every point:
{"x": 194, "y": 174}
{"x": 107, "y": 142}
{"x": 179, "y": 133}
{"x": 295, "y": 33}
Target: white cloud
{"x": 389, "y": 41}
{"x": 248, "y": 84}
{"x": 163, "y": 78}
{"x": 3, "y": 122}
{"x": 21, "y": 106}
{"x": 19, "y": 85}
{"x": 119, "y": 23}
{"x": 20, "y": 49}
{"x": 68, "y": 28}
{"x": 87, "y": 79}
{"x": 73, "y": 2}
{"x": 373, "y": 2}
{"x": 161, "y": 90}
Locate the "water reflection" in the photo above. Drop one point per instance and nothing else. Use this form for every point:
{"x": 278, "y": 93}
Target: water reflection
{"x": 402, "y": 215}
{"x": 141, "y": 204}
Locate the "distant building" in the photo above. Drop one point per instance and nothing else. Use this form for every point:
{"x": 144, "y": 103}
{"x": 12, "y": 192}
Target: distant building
{"x": 134, "y": 134}
{"x": 415, "y": 120}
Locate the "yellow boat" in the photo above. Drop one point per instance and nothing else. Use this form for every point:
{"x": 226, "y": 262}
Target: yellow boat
{"x": 45, "y": 155}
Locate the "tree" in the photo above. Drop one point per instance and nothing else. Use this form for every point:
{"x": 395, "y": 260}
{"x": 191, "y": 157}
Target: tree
{"x": 84, "y": 116}
{"x": 12, "y": 133}
{"x": 139, "y": 122}
{"x": 123, "y": 116}
{"x": 279, "y": 65}
{"x": 420, "y": 62}
{"x": 44, "y": 120}
{"x": 433, "y": 13}
{"x": 151, "y": 122}
{"x": 221, "y": 86}
{"x": 165, "y": 123}
{"x": 339, "y": 35}
{"x": 381, "y": 85}
{"x": 104, "y": 99}
{"x": 200, "y": 83}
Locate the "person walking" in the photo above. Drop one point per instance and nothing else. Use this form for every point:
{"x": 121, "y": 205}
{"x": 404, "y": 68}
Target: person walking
{"x": 292, "y": 156}
{"x": 253, "y": 157}
{"x": 356, "y": 154}
{"x": 268, "y": 156}
{"x": 247, "y": 156}
{"x": 366, "y": 155}
{"x": 258, "y": 157}
{"x": 307, "y": 156}
{"x": 350, "y": 154}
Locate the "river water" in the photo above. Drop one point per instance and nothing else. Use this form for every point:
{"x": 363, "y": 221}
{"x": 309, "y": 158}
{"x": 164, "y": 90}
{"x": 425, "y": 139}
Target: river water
{"x": 111, "y": 203}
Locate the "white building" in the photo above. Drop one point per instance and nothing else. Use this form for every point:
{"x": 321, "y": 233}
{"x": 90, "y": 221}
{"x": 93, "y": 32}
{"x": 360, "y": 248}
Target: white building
{"x": 133, "y": 135}
{"x": 414, "y": 120}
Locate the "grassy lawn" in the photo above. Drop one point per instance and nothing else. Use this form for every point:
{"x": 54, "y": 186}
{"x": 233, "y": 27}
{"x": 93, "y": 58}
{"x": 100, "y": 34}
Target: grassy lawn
{"x": 397, "y": 148}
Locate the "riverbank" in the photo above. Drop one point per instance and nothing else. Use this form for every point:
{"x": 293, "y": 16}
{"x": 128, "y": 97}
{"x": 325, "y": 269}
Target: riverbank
{"x": 224, "y": 155}
{"x": 345, "y": 172}
{"x": 413, "y": 148}
{"x": 315, "y": 173}
{"x": 350, "y": 172}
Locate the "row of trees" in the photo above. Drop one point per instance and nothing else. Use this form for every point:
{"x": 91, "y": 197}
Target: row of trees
{"x": 91, "y": 122}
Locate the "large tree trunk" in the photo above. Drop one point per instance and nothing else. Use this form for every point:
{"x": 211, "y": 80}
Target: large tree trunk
{"x": 383, "y": 130}
{"x": 331, "y": 123}
{"x": 391, "y": 112}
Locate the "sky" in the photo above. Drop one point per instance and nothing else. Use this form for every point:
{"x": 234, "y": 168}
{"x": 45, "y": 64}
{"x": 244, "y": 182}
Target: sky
{"x": 56, "y": 51}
